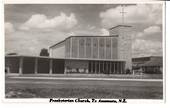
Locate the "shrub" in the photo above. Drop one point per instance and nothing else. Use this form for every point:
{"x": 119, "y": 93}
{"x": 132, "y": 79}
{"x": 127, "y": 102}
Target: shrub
{"x": 128, "y": 71}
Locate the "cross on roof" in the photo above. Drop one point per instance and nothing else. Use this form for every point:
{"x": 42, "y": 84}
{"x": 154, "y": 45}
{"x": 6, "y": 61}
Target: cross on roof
{"x": 122, "y": 12}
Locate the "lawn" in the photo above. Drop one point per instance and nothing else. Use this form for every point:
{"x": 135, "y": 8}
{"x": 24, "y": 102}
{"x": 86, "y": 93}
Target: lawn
{"x": 22, "y": 88}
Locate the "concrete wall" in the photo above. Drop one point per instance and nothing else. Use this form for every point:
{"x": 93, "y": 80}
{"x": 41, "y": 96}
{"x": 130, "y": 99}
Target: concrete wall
{"x": 124, "y": 43}
{"x": 58, "y": 51}
{"x": 68, "y": 48}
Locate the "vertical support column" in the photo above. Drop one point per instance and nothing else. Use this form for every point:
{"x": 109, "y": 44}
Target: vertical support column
{"x": 103, "y": 67}
{"x": 111, "y": 48}
{"x": 51, "y": 66}
{"x": 65, "y": 70}
{"x": 122, "y": 68}
{"x": 36, "y": 66}
{"x": 8, "y": 70}
{"x": 99, "y": 67}
{"x": 65, "y": 67}
{"x": 95, "y": 67}
{"x": 92, "y": 67}
{"x": 94, "y": 64}
{"x": 21, "y": 65}
{"x": 89, "y": 68}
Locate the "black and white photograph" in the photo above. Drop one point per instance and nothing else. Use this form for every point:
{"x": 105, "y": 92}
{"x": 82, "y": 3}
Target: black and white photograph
{"x": 84, "y": 51}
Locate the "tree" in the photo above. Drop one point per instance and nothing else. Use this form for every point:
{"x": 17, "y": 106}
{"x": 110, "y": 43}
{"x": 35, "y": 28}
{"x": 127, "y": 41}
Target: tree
{"x": 44, "y": 52}
{"x": 127, "y": 71}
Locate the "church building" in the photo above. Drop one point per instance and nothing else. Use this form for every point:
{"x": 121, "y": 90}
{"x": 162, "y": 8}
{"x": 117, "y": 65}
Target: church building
{"x": 79, "y": 54}
{"x": 96, "y": 54}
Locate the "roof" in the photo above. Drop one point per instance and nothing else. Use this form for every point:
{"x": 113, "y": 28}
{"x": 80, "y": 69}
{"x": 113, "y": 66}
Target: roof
{"x": 31, "y": 56}
{"x": 45, "y": 57}
{"x": 82, "y": 36}
{"x": 157, "y": 61}
{"x": 144, "y": 58}
{"x": 119, "y": 26}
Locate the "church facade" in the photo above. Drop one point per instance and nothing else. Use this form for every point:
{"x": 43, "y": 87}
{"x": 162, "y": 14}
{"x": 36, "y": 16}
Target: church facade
{"x": 96, "y": 54}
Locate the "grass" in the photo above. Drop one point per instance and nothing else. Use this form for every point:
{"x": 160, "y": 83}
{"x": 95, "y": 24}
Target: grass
{"x": 85, "y": 89}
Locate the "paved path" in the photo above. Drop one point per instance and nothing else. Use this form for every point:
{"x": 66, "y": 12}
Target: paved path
{"x": 106, "y": 79}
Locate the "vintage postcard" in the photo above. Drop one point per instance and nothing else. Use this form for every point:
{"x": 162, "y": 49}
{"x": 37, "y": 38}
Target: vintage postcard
{"x": 84, "y": 52}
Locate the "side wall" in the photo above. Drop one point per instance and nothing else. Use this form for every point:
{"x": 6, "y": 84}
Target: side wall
{"x": 58, "y": 51}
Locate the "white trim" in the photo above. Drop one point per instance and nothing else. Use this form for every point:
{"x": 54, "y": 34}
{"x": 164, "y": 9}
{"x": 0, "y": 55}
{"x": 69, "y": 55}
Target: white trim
{"x": 111, "y": 48}
{"x": 36, "y": 66}
{"x": 85, "y": 48}
{"x": 8, "y": 70}
{"x": 21, "y": 65}
{"x": 51, "y": 66}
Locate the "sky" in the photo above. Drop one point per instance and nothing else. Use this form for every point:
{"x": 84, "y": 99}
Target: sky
{"x": 31, "y": 27}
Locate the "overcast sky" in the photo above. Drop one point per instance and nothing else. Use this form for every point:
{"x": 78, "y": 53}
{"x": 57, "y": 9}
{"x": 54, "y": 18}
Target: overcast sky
{"x": 29, "y": 28}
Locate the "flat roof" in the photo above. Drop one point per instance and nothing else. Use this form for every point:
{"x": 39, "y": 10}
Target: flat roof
{"x": 147, "y": 57}
{"x": 119, "y": 25}
{"x": 45, "y": 57}
{"x": 82, "y": 36}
